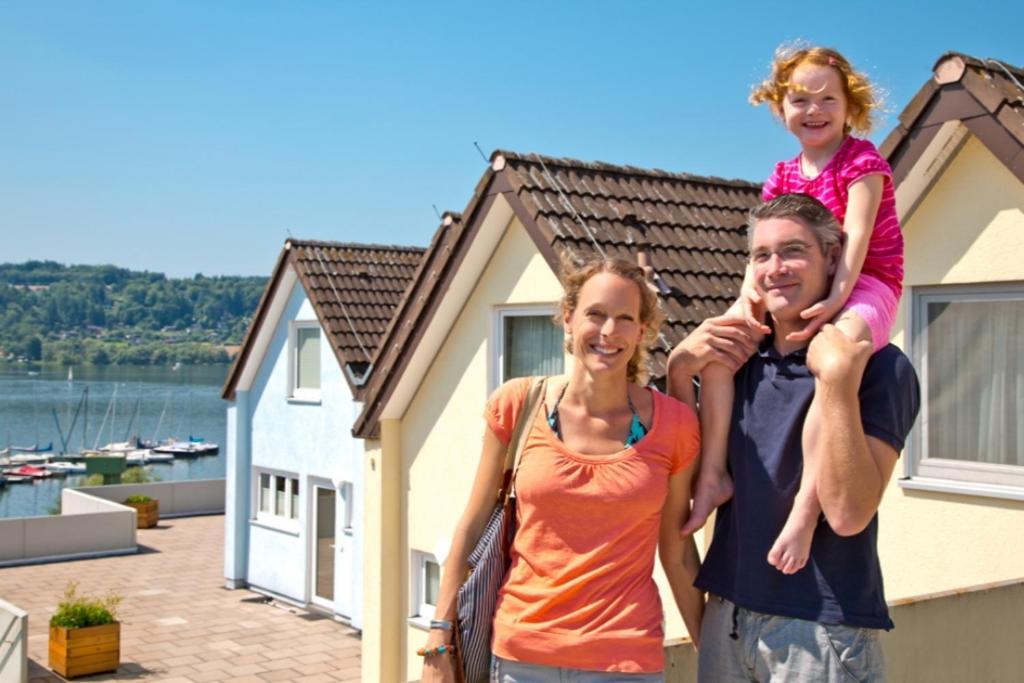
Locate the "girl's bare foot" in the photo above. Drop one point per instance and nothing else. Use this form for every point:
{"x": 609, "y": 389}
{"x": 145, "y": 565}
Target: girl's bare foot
{"x": 712, "y": 490}
{"x": 791, "y": 549}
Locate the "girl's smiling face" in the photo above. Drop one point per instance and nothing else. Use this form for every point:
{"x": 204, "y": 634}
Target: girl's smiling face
{"x": 815, "y": 106}
{"x": 605, "y": 326}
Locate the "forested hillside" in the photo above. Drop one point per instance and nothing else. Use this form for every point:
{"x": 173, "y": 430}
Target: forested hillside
{"x": 105, "y": 314}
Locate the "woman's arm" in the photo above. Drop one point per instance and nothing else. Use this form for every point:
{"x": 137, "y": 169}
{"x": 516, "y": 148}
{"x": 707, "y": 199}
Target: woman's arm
{"x": 679, "y": 555}
{"x": 861, "y": 212}
{"x": 467, "y": 531}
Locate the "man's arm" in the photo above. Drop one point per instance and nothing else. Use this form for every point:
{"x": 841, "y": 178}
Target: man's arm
{"x": 853, "y": 469}
{"x": 722, "y": 339}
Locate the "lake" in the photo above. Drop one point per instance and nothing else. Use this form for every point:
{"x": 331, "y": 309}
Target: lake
{"x": 152, "y": 402}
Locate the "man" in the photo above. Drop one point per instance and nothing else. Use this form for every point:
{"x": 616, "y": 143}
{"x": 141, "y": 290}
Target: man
{"x": 821, "y": 622}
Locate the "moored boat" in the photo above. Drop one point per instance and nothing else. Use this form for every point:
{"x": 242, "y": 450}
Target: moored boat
{"x": 66, "y": 467}
{"x": 29, "y": 471}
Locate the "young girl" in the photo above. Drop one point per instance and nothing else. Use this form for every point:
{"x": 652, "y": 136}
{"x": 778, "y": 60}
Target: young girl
{"x": 820, "y": 99}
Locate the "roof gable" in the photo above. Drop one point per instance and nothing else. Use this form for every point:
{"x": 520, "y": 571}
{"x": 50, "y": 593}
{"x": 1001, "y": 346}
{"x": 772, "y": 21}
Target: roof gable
{"x": 984, "y": 97}
{"x": 693, "y": 228}
{"x": 354, "y": 290}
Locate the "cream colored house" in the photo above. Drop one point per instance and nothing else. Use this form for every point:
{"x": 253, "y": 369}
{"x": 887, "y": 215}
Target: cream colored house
{"x": 955, "y": 518}
{"x": 480, "y": 313}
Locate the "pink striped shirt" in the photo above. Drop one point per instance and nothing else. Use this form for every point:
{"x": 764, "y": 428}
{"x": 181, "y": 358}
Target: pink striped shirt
{"x": 854, "y": 160}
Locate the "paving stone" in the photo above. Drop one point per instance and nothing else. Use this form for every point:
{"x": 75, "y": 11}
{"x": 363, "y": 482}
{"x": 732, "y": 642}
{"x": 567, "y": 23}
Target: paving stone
{"x": 178, "y": 623}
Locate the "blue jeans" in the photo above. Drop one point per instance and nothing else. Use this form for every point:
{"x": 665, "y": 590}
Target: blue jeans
{"x": 507, "y": 671}
{"x": 740, "y": 646}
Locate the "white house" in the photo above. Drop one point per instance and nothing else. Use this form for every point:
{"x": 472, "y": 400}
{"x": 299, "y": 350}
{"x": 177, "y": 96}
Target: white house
{"x": 293, "y": 508}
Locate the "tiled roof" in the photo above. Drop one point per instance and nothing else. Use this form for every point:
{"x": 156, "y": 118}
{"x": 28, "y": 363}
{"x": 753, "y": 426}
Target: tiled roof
{"x": 354, "y": 289}
{"x": 693, "y": 227}
{"x": 987, "y": 95}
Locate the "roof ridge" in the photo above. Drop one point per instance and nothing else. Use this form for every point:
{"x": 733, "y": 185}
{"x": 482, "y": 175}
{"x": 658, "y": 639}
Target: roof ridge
{"x": 567, "y": 162}
{"x": 979, "y": 62}
{"x": 364, "y": 246}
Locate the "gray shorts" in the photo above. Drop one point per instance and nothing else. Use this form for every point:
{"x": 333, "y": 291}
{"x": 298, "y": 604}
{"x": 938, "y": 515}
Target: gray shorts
{"x": 507, "y": 671}
{"x": 737, "y": 645}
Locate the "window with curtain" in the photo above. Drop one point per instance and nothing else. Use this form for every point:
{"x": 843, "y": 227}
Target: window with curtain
{"x": 969, "y": 348}
{"x": 307, "y": 358}
{"x": 531, "y": 344}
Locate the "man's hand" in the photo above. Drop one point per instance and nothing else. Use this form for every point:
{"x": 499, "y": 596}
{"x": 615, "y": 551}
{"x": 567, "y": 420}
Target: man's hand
{"x": 723, "y": 339}
{"x": 837, "y": 360}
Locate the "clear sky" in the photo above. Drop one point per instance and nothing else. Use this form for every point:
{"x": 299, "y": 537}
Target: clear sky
{"x": 189, "y": 136}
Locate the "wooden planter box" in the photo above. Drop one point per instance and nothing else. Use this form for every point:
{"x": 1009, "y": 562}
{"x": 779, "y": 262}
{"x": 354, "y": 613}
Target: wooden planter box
{"x": 84, "y": 651}
{"x": 146, "y": 514}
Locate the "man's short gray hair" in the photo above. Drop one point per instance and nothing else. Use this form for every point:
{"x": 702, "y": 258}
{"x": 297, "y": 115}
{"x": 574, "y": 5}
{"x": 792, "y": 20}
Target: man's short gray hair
{"x": 803, "y": 208}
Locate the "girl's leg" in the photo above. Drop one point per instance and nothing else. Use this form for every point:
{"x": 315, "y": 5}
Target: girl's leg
{"x": 714, "y": 485}
{"x": 791, "y": 549}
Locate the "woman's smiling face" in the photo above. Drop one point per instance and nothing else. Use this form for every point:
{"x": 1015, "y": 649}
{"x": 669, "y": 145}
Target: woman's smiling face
{"x": 605, "y": 326}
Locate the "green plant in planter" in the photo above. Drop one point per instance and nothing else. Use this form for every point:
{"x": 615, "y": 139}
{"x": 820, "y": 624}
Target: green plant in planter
{"x": 137, "y": 500}
{"x": 81, "y": 611}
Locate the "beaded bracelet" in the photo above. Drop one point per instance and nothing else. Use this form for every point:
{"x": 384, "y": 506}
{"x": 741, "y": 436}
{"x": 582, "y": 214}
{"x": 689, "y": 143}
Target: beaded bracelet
{"x": 439, "y": 650}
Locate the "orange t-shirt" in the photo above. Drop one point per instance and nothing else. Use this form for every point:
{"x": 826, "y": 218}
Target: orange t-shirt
{"x": 580, "y": 591}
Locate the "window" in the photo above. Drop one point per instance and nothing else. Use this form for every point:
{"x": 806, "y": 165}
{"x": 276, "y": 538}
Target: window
{"x": 528, "y": 343}
{"x": 970, "y": 358}
{"x": 427, "y": 584}
{"x": 305, "y": 365}
{"x": 278, "y": 498}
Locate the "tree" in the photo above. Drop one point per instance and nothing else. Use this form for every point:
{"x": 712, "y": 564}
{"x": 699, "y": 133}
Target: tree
{"x": 34, "y": 348}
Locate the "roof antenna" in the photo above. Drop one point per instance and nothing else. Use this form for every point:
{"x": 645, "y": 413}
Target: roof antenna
{"x": 482, "y": 155}
{"x": 436, "y": 211}
{"x": 288, "y": 230}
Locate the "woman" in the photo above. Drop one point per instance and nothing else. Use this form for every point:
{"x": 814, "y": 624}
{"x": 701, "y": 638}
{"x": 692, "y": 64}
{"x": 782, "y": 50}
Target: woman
{"x": 603, "y": 479}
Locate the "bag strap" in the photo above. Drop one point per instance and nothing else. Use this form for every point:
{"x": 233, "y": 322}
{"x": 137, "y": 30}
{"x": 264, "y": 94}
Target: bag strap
{"x": 531, "y": 404}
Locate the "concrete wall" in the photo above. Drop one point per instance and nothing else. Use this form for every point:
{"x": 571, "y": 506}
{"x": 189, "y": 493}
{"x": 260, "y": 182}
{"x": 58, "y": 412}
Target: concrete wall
{"x": 967, "y": 635}
{"x": 968, "y": 229}
{"x": 177, "y": 498}
{"x": 88, "y": 527}
{"x": 308, "y": 440}
{"x": 13, "y": 644}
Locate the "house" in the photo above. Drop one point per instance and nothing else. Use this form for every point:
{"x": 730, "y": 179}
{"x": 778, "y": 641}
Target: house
{"x": 480, "y": 312}
{"x": 953, "y": 518}
{"x": 294, "y": 469}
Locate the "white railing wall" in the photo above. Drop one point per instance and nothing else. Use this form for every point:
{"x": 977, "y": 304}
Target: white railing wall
{"x": 13, "y": 644}
{"x": 177, "y": 498}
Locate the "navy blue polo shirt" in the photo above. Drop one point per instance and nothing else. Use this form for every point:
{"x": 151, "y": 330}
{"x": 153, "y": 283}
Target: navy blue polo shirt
{"x": 842, "y": 581}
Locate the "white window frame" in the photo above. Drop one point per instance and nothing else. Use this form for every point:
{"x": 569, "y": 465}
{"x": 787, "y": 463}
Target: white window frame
{"x": 421, "y": 611}
{"x": 290, "y": 520}
{"x": 943, "y": 474}
{"x": 497, "y": 377}
{"x": 296, "y": 394}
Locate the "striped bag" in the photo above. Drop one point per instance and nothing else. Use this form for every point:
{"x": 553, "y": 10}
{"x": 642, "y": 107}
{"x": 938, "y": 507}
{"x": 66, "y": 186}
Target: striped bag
{"x": 489, "y": 561}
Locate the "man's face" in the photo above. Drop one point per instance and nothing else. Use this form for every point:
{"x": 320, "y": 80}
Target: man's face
{"x": 790, "y": 272}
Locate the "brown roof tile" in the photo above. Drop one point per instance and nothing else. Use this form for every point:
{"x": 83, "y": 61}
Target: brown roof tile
{"x": 354, "y": 289}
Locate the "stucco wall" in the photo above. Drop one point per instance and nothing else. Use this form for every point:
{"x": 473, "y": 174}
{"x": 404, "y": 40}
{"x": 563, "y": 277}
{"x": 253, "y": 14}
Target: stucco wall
{"x": 312, "y": 441}
{"x": 443, "y": 427}
{"x": 968, "y": 229}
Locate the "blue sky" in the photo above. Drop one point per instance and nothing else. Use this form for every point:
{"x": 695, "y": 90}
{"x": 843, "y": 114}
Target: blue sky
{"x": 188, "y": 137}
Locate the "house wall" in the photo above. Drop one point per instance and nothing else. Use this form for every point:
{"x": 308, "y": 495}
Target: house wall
{"x": 312, "y": 441}
{"x": 443, "y": 426}
{"x": 968, "y": 229}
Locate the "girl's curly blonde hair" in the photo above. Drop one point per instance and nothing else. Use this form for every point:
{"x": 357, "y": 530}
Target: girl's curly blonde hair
{"x": 574, "y": 276}
{"x": 861, "y": 97}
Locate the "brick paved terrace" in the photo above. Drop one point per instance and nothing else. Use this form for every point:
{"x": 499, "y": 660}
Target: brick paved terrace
{"x": 178, "y": 623}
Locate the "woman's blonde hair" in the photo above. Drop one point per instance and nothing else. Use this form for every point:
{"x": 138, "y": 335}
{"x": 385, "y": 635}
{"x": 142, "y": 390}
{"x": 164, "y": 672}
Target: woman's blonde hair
{"x": 574, "y": 276}
{"x": 861, "y": 97}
